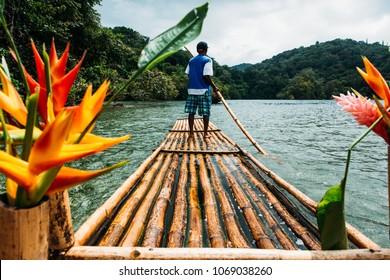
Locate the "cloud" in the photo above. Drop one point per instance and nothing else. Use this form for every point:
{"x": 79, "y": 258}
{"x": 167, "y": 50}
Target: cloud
{"x": 254, "y": 30}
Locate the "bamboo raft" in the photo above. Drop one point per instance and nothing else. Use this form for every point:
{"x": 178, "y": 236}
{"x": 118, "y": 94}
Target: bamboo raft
{"x": 208, "y": 199}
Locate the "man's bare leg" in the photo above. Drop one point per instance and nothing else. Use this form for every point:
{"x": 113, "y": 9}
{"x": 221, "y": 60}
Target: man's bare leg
{"x": 191, "y": 119}
{"x": 206, "y": 120}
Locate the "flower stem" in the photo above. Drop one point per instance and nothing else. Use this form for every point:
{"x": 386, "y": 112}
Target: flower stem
{"x": 360, "y": 138}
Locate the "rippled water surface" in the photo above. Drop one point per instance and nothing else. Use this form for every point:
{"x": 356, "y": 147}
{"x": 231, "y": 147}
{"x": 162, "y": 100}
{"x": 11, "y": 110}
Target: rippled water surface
{"x": 307, "y": 142}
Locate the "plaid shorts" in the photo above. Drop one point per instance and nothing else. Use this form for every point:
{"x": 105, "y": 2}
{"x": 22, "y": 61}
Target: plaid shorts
{"x": 200, "y": 102}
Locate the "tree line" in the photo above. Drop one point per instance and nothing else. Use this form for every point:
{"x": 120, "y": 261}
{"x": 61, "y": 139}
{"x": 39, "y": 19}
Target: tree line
{"x": 314, "y": 72}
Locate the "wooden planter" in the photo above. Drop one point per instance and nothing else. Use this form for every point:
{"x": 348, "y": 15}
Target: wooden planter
{"x": 24, "y": 233}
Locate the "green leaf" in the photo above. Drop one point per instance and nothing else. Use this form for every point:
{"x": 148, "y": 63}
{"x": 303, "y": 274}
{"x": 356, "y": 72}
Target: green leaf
{"x": 2, "y": 3}
{"x": 173, "y": 39}
{"x": 4, "y": 66}
{"x": 331, "y": 220}
{"x": 32, "y": 105}
{"x": 18, "y": 136}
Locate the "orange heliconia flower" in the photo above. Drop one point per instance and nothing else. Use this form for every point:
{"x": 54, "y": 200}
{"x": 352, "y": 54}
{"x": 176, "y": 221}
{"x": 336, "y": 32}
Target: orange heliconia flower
{"x": 60, "y": 80}
{"x": 10, "y": 100}
{"x": 58, "y": 141}
{"x": 376, "y": 82}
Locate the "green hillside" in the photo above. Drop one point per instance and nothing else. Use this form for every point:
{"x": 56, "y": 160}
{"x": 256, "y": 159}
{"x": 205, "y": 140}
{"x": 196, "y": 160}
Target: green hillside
{"x": 314, "y": 72}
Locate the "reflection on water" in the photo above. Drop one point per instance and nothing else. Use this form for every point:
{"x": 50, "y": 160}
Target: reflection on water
{"x": 307, "y": 142}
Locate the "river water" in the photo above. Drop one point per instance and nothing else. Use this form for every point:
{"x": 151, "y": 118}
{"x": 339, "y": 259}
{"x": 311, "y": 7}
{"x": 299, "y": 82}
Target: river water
{"x": 307, "y": 142}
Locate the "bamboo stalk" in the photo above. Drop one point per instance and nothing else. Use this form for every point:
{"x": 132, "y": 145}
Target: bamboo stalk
{"x": 282, "y": 237}
{"x": 310, "y": 241}
{"x": 250, "y": 138}
{"x": 257, "y": 228}
{"x": 199, "y": 152}
{"x": 137, "y": 225}
{"x": 216, "y": 236}
{"x": 179, "y": 220}
{"x": 155, "y": 228}
{"x": 133, "y": 234}
{"x": 117, "y": 227}
{"x": 194, "y": 219}
{"x": 296, "y": 227}
{"x": 236, "y": 237}
{"x": 354, "y": 235}
{"x": 24, "y": 232}
{"x": 90, "y": 226}
{"x": 61, "y": 230}
{"x": 305, "y": 200}
{"x": 141, "y": 253}
{"x": 233, "y": 229}
{"x": 272, "y": 224}
{"x": 195, "y": 130}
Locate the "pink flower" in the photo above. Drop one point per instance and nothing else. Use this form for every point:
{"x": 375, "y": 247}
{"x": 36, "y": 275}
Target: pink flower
{"x": 365, "y": 112}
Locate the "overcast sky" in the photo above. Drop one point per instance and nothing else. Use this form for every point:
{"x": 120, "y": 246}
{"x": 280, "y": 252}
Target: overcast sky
{"x": 249, "y": 31}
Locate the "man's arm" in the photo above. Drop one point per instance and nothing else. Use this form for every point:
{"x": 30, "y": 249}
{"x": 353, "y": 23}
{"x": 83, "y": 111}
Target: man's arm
{"x": 210, "y": 82}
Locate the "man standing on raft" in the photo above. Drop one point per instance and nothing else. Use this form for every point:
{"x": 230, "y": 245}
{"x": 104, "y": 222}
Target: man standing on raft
{"x": 200, "y": 70}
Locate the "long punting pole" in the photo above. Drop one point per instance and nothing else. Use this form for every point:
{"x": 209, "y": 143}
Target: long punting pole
{"x": 250, "y": 138}
{"x": 388, "y": 180}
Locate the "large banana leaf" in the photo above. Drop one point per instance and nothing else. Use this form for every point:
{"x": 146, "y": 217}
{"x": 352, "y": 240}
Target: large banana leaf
{"x": 331, "y": 219}
{"x": 173, "y": 39}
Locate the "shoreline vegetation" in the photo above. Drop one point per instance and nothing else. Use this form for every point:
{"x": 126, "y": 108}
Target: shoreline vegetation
{"x": 304, "y": 73}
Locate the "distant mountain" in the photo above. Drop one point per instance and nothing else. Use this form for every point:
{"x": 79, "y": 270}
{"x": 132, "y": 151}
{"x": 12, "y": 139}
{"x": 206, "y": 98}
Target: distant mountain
{"x": 242, "y": 66}
{"x": 315, "y": 72}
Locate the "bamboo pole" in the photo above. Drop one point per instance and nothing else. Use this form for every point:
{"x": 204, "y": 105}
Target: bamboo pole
{"x": 194, "y": 219}
{"x": 24, "y": 232}
{"x": 295, "y": 226}
{"x": 246, "y": 133}
{"x": 155, "y": 228}
{"x": 284, "y": 240}
{"x": 198, "y": 152}
{"x": 90, "y": 226}
{"x": 257, "y": 228}
{"x": 133, "y": 234}
{"x": 179, "y": 220}
{"x": 141, "y": 253}
{"x": 305, "y": 200}
{"x": 236, "y": 236}
{"x": 272, "y": 224}
{"x": 359, "y": 239}
{"x": 232, "y": 226}
{"x": 216, "y": 236}
{"x": 356, "y": 237}
{"x": 117, "y": 227}
{"x": 61, "y": 230}
{"x": 250, "y": 138}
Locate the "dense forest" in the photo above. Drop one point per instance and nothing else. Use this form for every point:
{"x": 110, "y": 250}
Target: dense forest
{"x": 314, "y": 72}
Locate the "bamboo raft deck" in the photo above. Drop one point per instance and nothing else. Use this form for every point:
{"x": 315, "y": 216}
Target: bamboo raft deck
{"x": 207, "y": 199}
